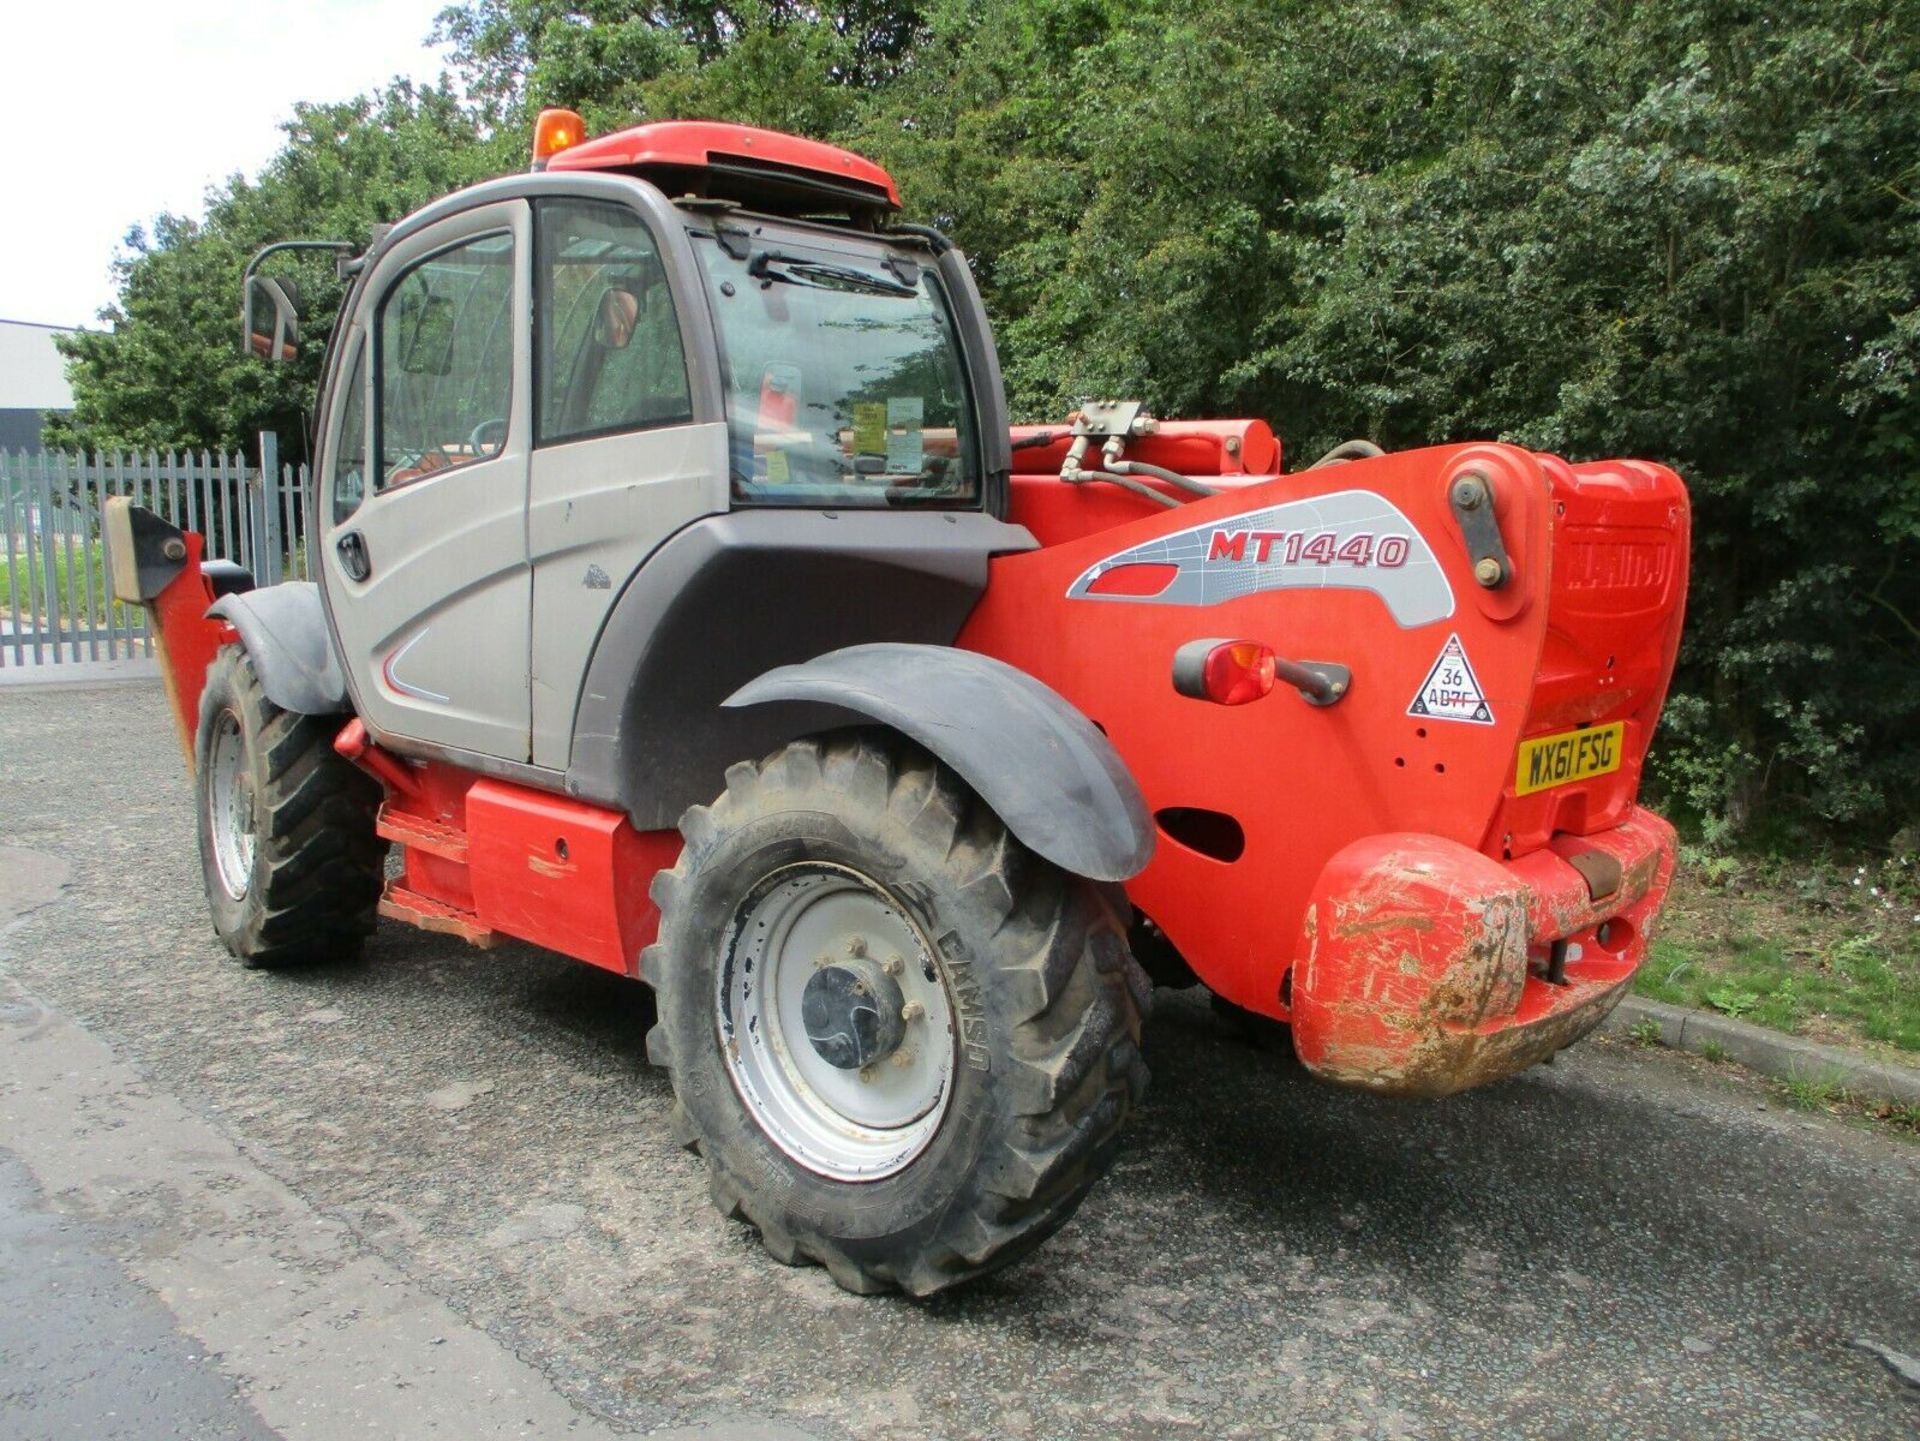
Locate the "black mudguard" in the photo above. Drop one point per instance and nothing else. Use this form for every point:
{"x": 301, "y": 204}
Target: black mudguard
{"x": 1044, "y": 768}
{"x": 284, "y": 628}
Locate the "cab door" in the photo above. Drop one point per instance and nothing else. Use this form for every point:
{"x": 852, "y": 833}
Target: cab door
{"x": 424, "y": 543}
{"x": 627, "y": 446}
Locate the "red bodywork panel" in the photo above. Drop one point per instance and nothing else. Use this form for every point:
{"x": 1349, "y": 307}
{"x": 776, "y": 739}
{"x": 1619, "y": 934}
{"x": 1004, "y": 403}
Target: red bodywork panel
{"x": 484, "y": 858}
{"x": 1584, "y": 632}
{"x": 187, "y": 640}
{"x": 564, "y": 875}
{"x": 701, "y": 144}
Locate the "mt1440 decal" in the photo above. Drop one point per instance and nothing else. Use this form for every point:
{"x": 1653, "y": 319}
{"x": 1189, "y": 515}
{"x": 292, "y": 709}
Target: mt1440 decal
{"x": 1350, "y": 540}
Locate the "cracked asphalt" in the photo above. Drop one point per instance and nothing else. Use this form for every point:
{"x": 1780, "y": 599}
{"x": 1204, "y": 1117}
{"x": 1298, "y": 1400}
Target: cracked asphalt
{"x": 1625, "y": 1244}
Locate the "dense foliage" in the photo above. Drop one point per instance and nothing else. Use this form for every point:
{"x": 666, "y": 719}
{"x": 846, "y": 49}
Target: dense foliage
{"x": 1683, "y": 229}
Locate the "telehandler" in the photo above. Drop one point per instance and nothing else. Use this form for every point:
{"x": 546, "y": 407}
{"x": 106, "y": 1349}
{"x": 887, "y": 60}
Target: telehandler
{"x": 686, "y": 604}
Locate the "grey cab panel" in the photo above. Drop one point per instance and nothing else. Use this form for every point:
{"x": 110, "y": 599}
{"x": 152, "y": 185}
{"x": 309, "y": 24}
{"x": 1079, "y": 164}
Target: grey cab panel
{"x": 424, "y": 555}
{"x": 598, "y": 508}
{"x": 734, "y": 596}
{"x": 626, "y": 449}
{"x": 566, "y": 566}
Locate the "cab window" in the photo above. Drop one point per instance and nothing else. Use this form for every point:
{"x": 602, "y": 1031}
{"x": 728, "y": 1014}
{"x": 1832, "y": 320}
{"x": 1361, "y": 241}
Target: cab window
{"x": 843, "y": 375}
{"x": 607, "y": 342}
{"x": 349, "y": 471}
{"x": 445, "y": 337}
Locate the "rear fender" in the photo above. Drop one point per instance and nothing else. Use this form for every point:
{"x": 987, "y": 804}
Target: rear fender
{"x": 1044, "y": 768}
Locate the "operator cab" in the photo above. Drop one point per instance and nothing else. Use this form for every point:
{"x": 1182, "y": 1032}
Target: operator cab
{"x": 542, "y": 384}
{"x": 856, "y": 365}
{"x": 844, "y": 378}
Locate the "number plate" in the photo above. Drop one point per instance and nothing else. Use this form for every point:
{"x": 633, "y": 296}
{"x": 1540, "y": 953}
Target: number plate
{"x": 1559, "y": 760}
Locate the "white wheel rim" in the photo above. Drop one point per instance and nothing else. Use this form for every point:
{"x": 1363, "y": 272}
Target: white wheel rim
{"x": 230, "y": 806}
{"x": 848, "y": 1125}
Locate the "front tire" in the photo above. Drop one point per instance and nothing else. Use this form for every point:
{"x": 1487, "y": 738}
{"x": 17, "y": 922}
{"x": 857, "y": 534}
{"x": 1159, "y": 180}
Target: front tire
{"x": 293, "y": 864}
{"x": 841, "y": 883}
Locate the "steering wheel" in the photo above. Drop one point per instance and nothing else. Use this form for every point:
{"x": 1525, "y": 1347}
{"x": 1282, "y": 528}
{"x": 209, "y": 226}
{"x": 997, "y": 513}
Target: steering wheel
{"x": 487, "y": 439}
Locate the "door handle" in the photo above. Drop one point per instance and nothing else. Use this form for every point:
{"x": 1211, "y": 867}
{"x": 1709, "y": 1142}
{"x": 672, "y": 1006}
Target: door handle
{"x": 353, "y": 556}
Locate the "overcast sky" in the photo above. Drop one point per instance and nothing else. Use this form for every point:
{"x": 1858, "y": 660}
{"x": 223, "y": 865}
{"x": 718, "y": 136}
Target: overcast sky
{"x": 115, "y": 110}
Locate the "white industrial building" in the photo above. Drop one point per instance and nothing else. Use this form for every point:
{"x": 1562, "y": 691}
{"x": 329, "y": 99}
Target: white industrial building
{"x": 33, "y": 381}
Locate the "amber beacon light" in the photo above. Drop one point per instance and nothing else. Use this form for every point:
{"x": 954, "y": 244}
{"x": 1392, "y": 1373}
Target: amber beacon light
{"x": 554, "y": 131}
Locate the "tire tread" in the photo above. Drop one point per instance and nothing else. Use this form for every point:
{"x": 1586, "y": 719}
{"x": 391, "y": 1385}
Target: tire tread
{"x": 1077, "y": 1041}
{"x": 321, "y": 863}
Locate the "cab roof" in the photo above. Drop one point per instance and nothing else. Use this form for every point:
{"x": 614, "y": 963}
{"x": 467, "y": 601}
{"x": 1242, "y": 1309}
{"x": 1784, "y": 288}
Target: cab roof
{"x": 761, "y": 168}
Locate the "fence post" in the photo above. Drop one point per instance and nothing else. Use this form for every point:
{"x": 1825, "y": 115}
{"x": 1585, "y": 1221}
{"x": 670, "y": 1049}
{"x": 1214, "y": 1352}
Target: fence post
{"x": 12, "y": 481}
{"x": 49, "y": 567}
{"x": 302, "y": 478}
{"x": 91, "y": 478}
{"x": 267, "y": 483}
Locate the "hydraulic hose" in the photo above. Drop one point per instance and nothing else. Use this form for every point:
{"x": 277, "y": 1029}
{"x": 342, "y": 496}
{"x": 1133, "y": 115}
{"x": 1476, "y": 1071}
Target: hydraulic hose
{"x": 1185, "y": 482}
{"x": 1348, "y": 450}
{"x": 1030, "y": 442}
{"x": 1125, "y": 482}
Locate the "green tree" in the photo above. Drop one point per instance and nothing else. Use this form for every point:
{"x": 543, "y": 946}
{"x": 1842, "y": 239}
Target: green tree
{"x": 1683, "y": 231}
{"x": 599, "y": 56}
{"x": 169, "y": 373}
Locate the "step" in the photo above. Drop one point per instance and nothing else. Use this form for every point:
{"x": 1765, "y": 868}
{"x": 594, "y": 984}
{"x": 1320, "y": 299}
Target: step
{"x": 401, "y": 904}
{"x": 419, "y": 833}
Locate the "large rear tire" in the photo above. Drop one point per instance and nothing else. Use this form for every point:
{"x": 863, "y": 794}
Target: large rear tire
{"x": 904, "y": 1044}
{"x": 293, "y": 864}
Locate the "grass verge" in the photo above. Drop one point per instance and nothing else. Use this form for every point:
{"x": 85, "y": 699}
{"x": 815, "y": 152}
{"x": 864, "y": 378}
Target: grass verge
{"x": 1833, "y": 955}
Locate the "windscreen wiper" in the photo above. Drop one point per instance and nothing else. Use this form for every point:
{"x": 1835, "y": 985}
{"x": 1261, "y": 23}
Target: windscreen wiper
{"x": 804, "y": 270}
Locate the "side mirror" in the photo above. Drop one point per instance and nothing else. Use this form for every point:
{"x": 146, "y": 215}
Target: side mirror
{"x": 270, "y": 318}
{"x": 619, "y": 314}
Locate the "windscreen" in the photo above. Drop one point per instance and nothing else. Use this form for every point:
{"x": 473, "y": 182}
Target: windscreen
{"x": 845, "y": 382}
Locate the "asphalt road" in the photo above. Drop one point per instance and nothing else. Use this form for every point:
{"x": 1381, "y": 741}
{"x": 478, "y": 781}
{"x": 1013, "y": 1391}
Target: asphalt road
{"x": 1623, "y": 1245}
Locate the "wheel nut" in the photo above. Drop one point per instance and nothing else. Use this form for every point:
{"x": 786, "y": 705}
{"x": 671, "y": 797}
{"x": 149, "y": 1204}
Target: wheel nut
{"x": 912, "y": 1011}
{"x": 857, "y": 946}
{"x": 903, "y": 1058}
{"x": 893, "y": 965}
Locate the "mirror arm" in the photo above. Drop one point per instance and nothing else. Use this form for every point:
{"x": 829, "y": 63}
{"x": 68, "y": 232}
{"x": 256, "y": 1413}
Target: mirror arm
{"x": 342, "y": 248}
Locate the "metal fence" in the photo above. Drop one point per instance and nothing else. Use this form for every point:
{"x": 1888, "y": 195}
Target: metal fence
{"x": 55, "y": 604}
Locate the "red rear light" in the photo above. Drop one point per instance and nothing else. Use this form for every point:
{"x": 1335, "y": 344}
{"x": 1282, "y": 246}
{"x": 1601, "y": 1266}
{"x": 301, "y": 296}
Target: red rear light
{"x": 1226, "y": 672}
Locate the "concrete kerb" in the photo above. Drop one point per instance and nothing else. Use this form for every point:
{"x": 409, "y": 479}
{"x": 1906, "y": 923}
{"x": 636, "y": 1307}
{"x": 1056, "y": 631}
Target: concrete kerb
{"x": 74, "y": 675}
{"x": 1785, "y": 1058}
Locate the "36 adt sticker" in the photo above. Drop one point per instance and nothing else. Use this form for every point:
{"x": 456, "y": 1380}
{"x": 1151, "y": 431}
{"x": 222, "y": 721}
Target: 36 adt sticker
{"x": 1451, "y": 690}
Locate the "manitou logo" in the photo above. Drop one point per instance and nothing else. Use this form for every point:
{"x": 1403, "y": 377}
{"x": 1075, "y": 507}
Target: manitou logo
{"x": 1301, "y": 547}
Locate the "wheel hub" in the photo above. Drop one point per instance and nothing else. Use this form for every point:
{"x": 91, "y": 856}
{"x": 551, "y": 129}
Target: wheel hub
{"x": 229, "y": 802}
{"x": 852, "y": 1014}
{"x": 835, "y": 1022}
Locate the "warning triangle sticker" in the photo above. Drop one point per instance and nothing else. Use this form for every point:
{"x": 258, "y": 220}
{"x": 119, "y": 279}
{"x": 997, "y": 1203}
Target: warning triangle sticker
{"x": 1451, "y": 690}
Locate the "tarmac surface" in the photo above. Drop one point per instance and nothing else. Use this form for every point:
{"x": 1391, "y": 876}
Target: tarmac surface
{"x": 433, "y": 1191}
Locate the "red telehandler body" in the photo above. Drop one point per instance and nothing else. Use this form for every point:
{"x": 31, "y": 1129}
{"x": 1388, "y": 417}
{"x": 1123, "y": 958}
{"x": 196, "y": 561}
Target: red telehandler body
{"x": 687, "y": 605}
